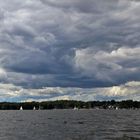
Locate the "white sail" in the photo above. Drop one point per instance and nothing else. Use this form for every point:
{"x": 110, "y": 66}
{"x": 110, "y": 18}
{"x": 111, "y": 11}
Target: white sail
{"x": 21, "y": 108}
{"x": 75, "y": 108}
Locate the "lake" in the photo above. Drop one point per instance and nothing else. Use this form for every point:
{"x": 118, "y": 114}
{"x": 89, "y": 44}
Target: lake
{"x": 70, "y": 125}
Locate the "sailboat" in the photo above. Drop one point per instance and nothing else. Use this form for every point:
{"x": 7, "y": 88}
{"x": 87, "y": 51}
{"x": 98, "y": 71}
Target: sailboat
{"x": 34, "y": 108}
{"x": 21, "y": 108}
{"x": 75, "y": 108}
{"x": 40, "y": 108}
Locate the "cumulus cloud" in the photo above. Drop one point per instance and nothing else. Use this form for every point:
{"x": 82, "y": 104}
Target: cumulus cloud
{"x": 77, "y": 44}
{"x": 113, "y": 66}
{"x": 129, "y": 90}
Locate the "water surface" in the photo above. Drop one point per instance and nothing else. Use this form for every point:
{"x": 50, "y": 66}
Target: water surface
{"x": 70, "y": 125}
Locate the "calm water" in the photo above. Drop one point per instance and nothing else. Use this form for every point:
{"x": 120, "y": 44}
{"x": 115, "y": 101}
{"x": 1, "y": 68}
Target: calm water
{"x": 70, "y": 125}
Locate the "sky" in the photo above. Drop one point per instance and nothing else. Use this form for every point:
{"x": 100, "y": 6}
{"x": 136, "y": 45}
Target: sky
{"x": 69, "y": 50}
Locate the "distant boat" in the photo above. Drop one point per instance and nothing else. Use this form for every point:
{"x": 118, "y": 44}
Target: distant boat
{"x": 116, "y": 108}
{"x": 21, "y": 108}
{"x": 34, "y": 108}
{"x": 75, "y": 108}
{"x": 40, "y": 107}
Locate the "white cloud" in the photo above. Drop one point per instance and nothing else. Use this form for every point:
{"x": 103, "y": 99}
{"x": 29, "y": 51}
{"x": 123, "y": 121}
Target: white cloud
{"x": 133, "y": 84}
{"x": 126, "y": 91}
{"x": 106, "y": 65}
{"x": 130, "y": 90}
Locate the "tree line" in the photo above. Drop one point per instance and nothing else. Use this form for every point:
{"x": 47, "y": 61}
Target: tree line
{"x": 65, "y": 104}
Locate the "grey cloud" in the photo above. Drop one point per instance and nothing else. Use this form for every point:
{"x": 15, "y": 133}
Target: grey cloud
{"x": 69, "y": 43}
{"x": 111, "y": 66}
{"x": 83, "y": 6}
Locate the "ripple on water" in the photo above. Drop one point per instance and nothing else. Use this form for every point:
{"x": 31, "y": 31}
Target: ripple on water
{"x": 70, "y": 125}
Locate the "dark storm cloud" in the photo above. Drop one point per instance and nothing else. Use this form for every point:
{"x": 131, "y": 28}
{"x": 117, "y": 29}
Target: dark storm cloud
{"x": 73, "y": 43}
{"x": 89, "y": 6}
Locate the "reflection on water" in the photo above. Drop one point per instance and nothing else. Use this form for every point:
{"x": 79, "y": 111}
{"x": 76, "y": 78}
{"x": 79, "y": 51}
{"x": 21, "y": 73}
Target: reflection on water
{"x": 70, "y": 125}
